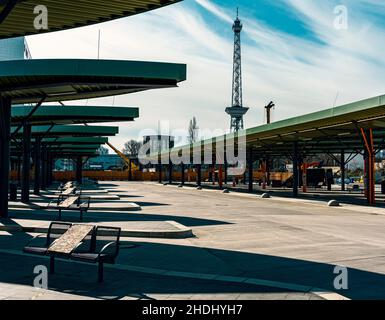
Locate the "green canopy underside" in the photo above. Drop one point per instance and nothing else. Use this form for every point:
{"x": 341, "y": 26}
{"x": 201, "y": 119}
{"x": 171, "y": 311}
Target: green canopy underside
{"x": 77, "y": 147}
{"x": 73, "y": 114}
{"x": 28, "y": 81}
{"x": 67, "y": 14}
{"x": 71, "y": 131}
{"x": 327, "y": 131}
{"x": 75, "y": 140}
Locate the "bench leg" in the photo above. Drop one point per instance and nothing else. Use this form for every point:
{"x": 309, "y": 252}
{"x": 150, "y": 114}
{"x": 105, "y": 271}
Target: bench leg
{"x": 100, "y": 272}
{"x": 51, "y": 264}
{"x": 81, "y": 215}
{"x": 59, "y": 214}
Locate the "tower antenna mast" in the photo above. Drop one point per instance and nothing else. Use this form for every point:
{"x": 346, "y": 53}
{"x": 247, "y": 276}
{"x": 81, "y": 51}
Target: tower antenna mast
{"x": 237, "y": 111}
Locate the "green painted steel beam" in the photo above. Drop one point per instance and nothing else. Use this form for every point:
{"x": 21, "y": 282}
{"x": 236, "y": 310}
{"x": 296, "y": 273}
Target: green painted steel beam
{"x": 67, "y": 14}
{"x": 74, "y": 147}
{"x": 71, "y": 130}
{"x": 48, "y": 114}
{"x": 76, "y": 140}
{"x": 28, "y": 81}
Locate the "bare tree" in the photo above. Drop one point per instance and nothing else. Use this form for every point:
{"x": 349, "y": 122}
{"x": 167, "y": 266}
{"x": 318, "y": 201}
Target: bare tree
{"x": 193, "y": 130}
{"x": 102, "y": 151}
{"x": 132, "y": 147}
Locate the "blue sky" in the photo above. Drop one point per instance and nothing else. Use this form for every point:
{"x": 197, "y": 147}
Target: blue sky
{"x": 292, "y": 54}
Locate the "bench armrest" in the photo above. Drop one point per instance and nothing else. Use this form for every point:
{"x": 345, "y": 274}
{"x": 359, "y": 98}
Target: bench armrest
{"x": 34, "y": 238}
{"x": 52, "y": 202}
{"x": 109, "y": 246}
{"x": 84, "y": 202}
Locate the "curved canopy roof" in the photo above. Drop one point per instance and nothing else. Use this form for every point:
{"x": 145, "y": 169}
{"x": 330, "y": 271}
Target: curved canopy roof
{"x": 18, "y": 15}
{"x": 73, "y": 114}
{"x": 71, "y": 131}
{"x": 28, "y": 81}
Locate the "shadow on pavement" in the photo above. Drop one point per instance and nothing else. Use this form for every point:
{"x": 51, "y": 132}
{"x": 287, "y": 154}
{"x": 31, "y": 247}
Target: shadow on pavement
{"x": 100, "y": 216}
{"x": 80, "y": 279}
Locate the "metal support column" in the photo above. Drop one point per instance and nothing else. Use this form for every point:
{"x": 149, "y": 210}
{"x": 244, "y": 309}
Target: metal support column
{"x": 50, "y": 168}
{"x": 79, "y": 169}
{"x": 367, "y": 136}
{"x": 5, "y": 125}
{"x": 37, "y": 164}
{"x": 250, "y": 162}
{"x": 199, "y": 175}
{"x": 220, "y": 176}
{"x": 19, "y": 170}
{"x": 295, "y": 170}
{"x": 44, "y": 168}
{"x": 25, "y": 176}
{"x": 343, "y": 170}
{"x": 182, "y": 172}
{"x": 170, "y": 169}
{"x": 160, "y": 168}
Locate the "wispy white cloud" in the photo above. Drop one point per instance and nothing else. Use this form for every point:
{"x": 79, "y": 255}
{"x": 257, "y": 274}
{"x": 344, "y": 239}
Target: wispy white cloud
{"x": 301, "y": 75}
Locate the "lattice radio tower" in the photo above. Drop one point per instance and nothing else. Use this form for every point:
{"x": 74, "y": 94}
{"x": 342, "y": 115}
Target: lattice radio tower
{"x": 237, "y": 111}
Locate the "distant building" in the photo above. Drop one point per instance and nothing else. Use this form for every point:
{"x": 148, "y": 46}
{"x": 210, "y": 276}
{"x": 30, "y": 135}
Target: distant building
{"x": 105, "y": 162}
{"x": 64, "y": 164}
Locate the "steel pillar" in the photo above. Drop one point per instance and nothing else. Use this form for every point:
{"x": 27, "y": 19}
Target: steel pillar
{"x": 19, "y": 170}
{"x": 199, "y": 175}
{"x": 182, "y": 172}
{"x": 37, "y": 163}
{"x": 79, "y": 169}
{"x": 50, "y": 158}
{"x": 250, "y": 162}
{"x": 343, "y": 170}
{"x": 220, "y": 176}
{"x": 160, "y": 168}
{"x": 5, "y": 126}
{"x": 295, "y": 169}
{"x": 25, "y": 175}
{"x": 367, "y": 136}
{"x": 170, "y": 169}
{"x": 44, "y": 168}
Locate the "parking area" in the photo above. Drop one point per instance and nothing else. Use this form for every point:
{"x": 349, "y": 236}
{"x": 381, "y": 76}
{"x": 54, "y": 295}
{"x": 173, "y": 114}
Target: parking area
{"x": 262, "y": 248}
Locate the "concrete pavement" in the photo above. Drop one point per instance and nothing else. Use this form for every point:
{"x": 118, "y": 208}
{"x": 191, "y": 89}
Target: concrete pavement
{"x": 241, "y": 236}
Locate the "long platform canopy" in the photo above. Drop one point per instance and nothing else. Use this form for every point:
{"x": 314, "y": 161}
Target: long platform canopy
{"x": 70, "y": 131}
{"x": 75, "y": 140}
{"x": 327, "y": 131}
{"x": 17, "y": 16}
{"x": 48, "y": 114}
{"x": 29, "y": 81}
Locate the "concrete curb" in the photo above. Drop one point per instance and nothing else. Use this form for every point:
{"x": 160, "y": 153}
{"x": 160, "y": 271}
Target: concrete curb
{"x": 324, "y": 294}
{"x": 182, "y": 232}
{"x": 132, "y": 207}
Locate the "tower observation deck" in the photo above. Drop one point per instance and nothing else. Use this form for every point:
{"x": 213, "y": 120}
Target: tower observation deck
{"x": 237, "y": 111}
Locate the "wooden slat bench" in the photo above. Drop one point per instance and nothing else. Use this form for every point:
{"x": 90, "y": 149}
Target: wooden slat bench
{"x": 85, "y": 243}
{"x": 71, "y": 203}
